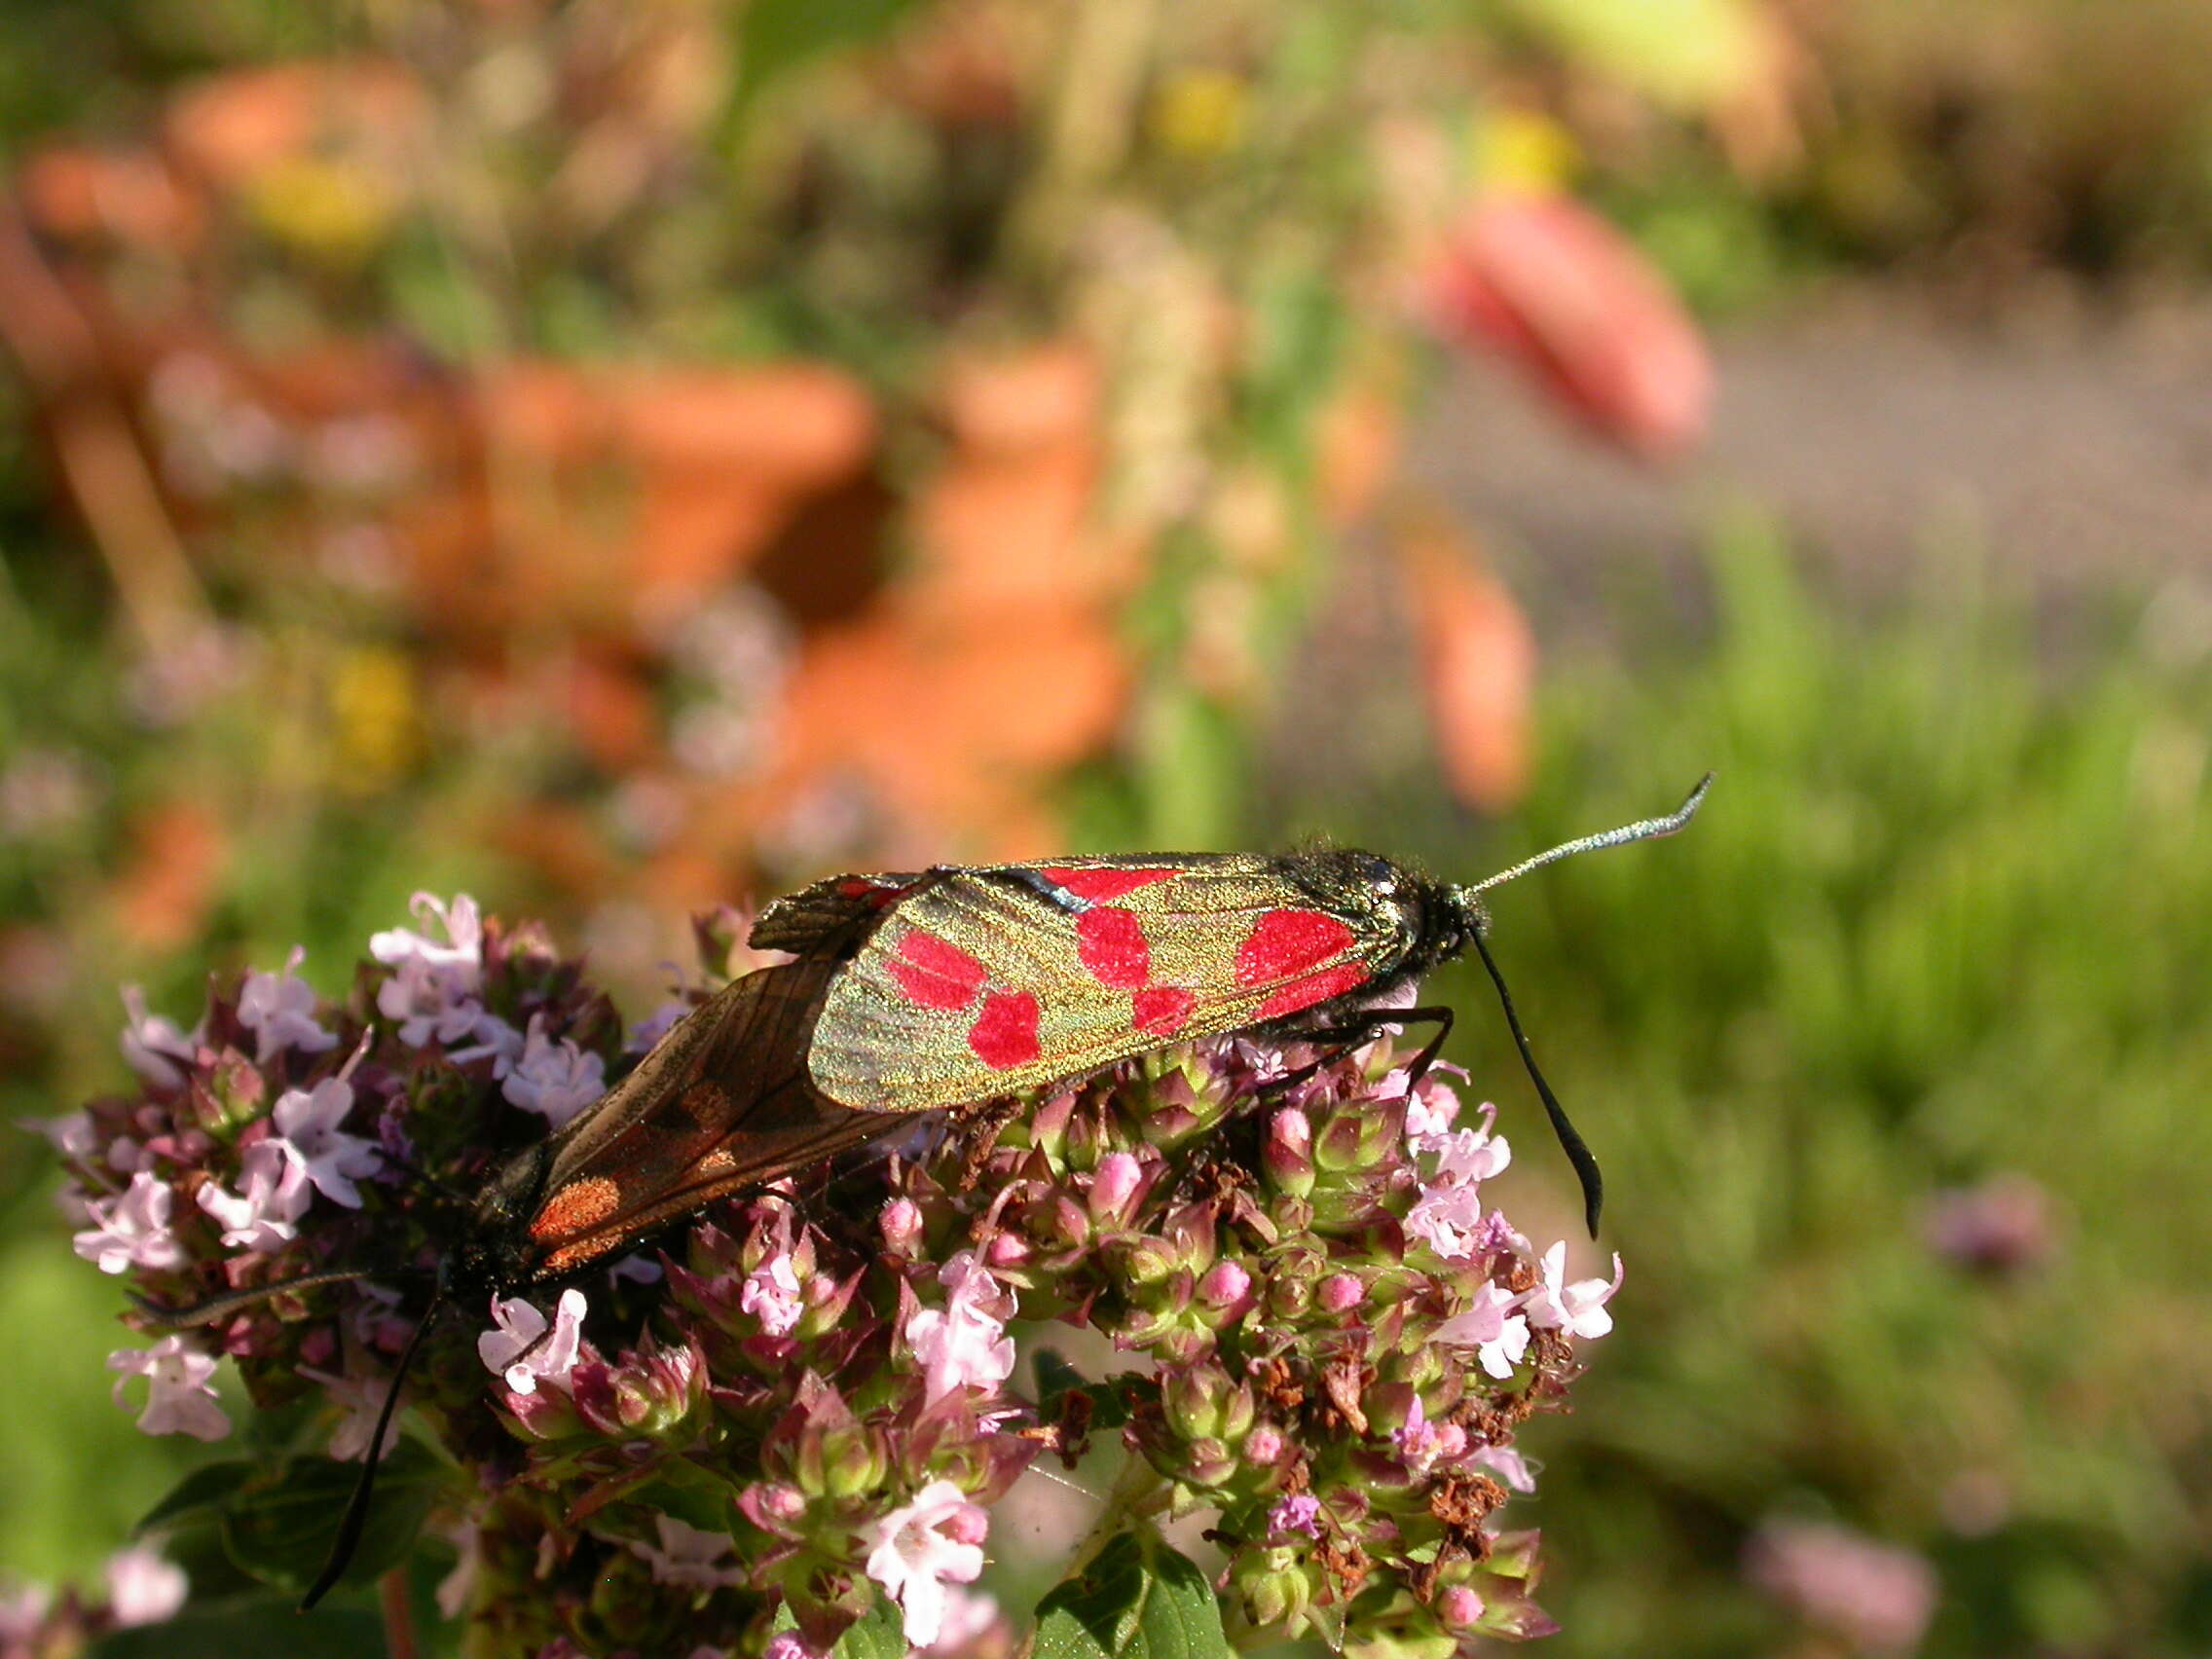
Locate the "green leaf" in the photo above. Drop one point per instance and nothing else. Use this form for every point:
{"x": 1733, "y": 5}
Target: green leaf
{"x": 775, "y": 36}
{"x": 1057, "y": 1379}
{"x": 263, "y": 1627}
{"x": 1138, "y": 1599}
{"x": 280, "y": 1525}
{"x": 881, "y": 1635}
{"x": 206, "y": 1489}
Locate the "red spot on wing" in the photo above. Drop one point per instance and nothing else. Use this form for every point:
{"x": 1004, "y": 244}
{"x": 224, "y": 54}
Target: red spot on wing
{"x": 1285, "y": 943}
{"x": 878, "y": 893}
{"x": 936, "y": 973}
{"x": 578, "y": 1206}
{"x": 1111, "y": 943}
{"x": 1004, "y": 1034}
{"x": 1101, "y": 885}
{"x": 1313, "y": 988}
{"x": 1161, "y": 1010}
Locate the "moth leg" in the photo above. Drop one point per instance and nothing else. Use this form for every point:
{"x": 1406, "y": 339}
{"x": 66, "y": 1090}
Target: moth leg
{"x": 984, "y": 1128}
{"x": 1341, "y": 1039}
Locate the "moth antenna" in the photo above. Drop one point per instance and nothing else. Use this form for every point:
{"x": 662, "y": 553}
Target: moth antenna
{"x": 1642, "y": 830}
{"x": 357, "y": 1514}
{"x": 230, "y": 1302}
{"x": 1577, "y": 1153}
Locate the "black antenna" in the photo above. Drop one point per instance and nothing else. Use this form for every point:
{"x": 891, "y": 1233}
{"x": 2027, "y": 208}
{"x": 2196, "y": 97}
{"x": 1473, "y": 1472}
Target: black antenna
{"x": 356, "y": 1516}
{"x": 1577, "y": 1153}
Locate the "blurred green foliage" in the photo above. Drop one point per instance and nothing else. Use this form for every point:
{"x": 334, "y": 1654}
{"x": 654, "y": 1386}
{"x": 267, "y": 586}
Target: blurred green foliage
{"x": 1944, "y": 916}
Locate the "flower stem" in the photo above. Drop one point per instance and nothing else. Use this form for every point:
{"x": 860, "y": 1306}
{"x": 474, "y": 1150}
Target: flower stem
{"x": 393, "y": 1598}
{"x": 1133, "y": 1488}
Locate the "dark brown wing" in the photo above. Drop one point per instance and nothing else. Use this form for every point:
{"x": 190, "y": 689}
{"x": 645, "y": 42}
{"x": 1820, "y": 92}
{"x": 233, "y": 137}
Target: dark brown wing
{"x": 723, "y": 1102}
{"x": 830, "y": 911}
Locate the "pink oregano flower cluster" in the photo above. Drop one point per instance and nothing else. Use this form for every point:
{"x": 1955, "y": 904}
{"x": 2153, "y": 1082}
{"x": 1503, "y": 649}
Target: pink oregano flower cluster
{"x": 802, "y": 1407}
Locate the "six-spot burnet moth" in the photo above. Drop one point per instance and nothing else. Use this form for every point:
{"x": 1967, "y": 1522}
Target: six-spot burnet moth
{"x": 721, "y": 1104}
{"x": 977, "y": 983}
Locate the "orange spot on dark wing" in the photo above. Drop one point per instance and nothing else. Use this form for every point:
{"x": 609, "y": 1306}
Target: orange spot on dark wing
{"x": 1161, "y": 1010}
{"x": 1101, "y": 885}
{"x": 1285, "y": 943}
{"x": 1004, "y": 1034}
{"x": 576, "y": 1207}
{"x": 1313, "y": 988}
{"x": 1111, "y": 943}
{"x": 936, "y": 973}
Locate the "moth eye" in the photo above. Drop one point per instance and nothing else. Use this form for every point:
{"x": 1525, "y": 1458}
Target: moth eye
{"x": 1380, "y": 871}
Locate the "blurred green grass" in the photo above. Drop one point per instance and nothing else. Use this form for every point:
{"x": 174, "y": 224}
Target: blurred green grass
{"x": 1944, "y": 915}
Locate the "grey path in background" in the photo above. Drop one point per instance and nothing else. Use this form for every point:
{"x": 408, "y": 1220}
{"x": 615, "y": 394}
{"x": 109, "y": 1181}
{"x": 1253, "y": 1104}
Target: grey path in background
{"x": 2078, "y": 451}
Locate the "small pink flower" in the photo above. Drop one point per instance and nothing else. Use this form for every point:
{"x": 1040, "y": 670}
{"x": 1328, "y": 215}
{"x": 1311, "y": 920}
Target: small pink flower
{"x": 273, "y": 1194}
{"x": 432, "y": 991}
{"x": 428, "y": 1006}
{"x": 142, "y": 1588}
{"x": 132, "y": 1230}
{"x": 520, "y": 1348}
{"x": 772, "y": 1295}
{"x": 279, "y": 1008}
{"x": 551, "y": 1076}
{"x": 1577, "y": 1308}
{"x": 180, "y": 1397}
{"x": 689, "y": 1557}
{"x": 1498, "y": 1337}
{"x": 1423, "y": 1444}
{"x": 1300, "y": 1512}
{"x": 461, "y": 958}
{"x": 1507, "y": 1464}
{"x": 1447, "y": 1218}
{"x": 964, "y": 1345}
{"x": 308, "y": 1122}
{"x": 153, "y": 1047}
{"x": 919, "y": 1548}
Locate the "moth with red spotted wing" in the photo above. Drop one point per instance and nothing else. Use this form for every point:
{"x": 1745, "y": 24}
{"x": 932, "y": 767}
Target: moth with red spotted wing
{"x": 973, "y": 982}
{"x": 721, "y": 1104}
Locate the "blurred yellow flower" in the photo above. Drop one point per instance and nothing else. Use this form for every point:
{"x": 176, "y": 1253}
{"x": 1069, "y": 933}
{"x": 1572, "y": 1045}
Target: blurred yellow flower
{"x": 1200, "y": 112}
{"x": 376, "y": 717}
{"x": 1524, "y": 151}
{"x": 327, "y": 207}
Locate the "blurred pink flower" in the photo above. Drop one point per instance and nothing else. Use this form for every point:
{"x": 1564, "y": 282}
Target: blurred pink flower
{"x": 1555, "y": 288}
{"x": 689, "y": 1557}
{"x": 306, "y": 1123}
{"x": 2000, "y": 1225}
{"x": 1499, "y": 1338}
{"x": 771, "y": 1295}
{"x": 142, "y": 1588}
{"x": 1876, "y": 1597}
{"x": 154, "y": 1045}
{"x": 279, "y": 1008}
{"x": 180, "y": 1397}
{"x": 552, "y": 1075}
{"x": 132, "y": 1230}
{"x": 273, "y": 1194}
